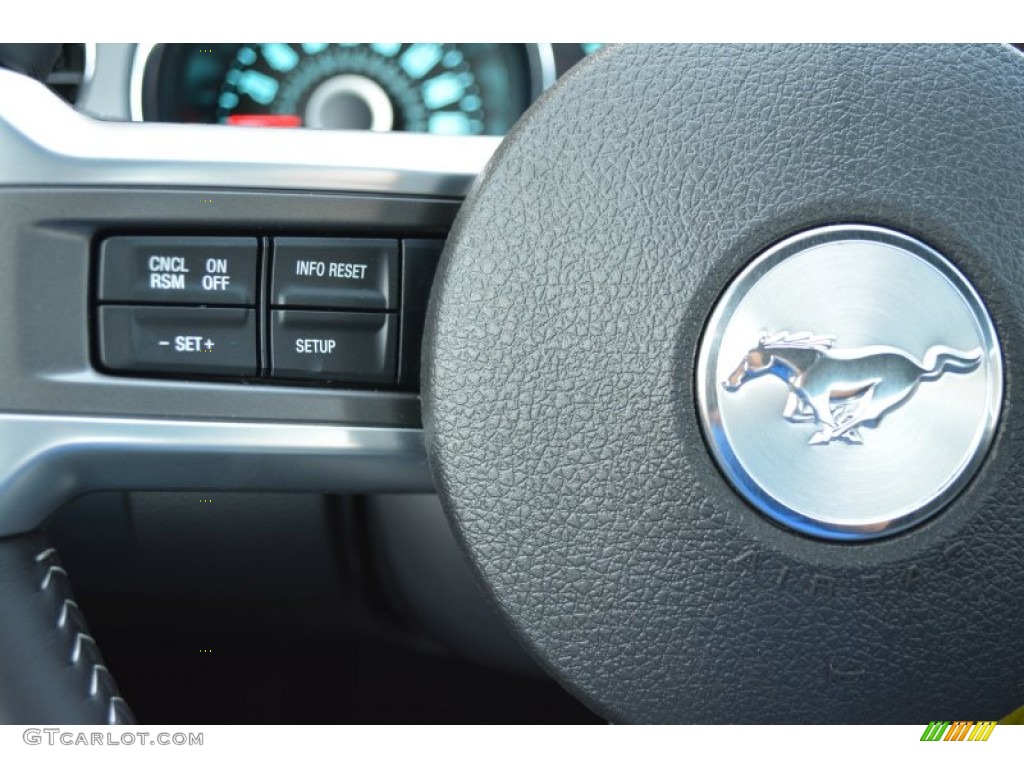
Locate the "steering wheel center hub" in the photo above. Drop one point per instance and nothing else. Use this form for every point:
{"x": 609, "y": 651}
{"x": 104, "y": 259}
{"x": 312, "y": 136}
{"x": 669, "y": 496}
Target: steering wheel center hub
{"x": 588, "y": 339}
{"x": 825, "y": 379}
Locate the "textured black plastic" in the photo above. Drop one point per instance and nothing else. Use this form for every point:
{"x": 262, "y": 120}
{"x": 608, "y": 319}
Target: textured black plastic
{"x": 559, "y": 382}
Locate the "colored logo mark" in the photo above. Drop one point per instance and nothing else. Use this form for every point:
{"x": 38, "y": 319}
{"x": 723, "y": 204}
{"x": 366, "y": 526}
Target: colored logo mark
{"x": 958, "y": 730}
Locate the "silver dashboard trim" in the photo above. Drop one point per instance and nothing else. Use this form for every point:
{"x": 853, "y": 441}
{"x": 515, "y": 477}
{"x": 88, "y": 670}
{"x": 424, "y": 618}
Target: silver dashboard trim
{"x": 47, "y": 460}
{"x": 548, "y": 70}
{"x": 138, "y": 79}
{"x": 89, "y": 66}
{"x": 43, "y": 141}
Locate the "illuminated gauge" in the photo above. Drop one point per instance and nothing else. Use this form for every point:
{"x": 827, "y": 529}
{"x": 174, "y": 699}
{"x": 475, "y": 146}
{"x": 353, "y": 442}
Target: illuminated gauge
{"x": 441, "y": 88}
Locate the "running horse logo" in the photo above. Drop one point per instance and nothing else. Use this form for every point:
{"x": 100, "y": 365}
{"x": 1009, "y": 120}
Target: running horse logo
{"x": 842, "y": 390}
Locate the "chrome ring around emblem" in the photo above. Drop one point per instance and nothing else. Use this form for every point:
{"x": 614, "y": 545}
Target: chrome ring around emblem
{"x": 849, "y": 382}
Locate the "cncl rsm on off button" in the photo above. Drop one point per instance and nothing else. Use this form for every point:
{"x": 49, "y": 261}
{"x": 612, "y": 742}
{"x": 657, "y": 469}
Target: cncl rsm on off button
{"x": 334, "y": 276}
{"x": 178, "y": 270}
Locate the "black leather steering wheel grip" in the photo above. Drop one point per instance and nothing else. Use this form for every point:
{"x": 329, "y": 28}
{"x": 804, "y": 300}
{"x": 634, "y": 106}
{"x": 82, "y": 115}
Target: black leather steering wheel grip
{"x": 50, "y": 666}
{"x": 559, "y": 384}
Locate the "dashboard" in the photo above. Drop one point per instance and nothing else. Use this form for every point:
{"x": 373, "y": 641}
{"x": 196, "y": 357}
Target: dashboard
{"x": 464, "y": 89}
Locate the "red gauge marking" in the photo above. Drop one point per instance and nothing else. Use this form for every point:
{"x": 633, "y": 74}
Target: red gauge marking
{"x": 266, "y": 121}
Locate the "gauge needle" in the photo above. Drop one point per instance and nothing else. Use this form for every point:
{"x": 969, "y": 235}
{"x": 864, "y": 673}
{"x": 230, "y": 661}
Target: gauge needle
{"x": 266, "y": 121}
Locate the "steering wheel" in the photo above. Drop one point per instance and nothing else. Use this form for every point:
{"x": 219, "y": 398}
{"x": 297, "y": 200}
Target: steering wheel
{"x": 718, "y": 372}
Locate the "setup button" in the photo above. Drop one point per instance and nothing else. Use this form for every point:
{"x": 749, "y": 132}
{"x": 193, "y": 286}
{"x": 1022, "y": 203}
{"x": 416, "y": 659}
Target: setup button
{"x": 334, "y": 346}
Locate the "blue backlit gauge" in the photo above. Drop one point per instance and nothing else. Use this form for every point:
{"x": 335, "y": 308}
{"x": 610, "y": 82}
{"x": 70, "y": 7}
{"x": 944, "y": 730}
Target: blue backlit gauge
{"x": 441, "y": 88}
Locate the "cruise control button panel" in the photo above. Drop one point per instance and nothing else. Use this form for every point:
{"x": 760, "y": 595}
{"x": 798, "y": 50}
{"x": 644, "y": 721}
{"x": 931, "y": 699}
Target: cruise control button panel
{"x": 179, "y": 340}
{"x": 335, "y": 273}
{"x": 341, "y": 346}
{"x": 338, "y": 311}
{"x": 179, "y": 270}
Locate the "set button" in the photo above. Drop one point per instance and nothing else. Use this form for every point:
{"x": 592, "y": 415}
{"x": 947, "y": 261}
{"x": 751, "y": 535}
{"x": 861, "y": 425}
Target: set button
{"x": 212, "y": 342}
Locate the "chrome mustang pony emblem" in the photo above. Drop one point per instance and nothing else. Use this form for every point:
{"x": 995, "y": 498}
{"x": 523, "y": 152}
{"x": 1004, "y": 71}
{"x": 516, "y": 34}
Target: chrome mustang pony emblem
{"x": 843, "y": 390}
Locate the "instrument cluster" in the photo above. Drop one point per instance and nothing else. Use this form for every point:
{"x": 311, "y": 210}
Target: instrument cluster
{"x": 441, "y": 88}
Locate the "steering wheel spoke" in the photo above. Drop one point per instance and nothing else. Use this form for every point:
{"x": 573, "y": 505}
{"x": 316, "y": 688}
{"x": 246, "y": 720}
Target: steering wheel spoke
{"x": 303, "y": 391}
